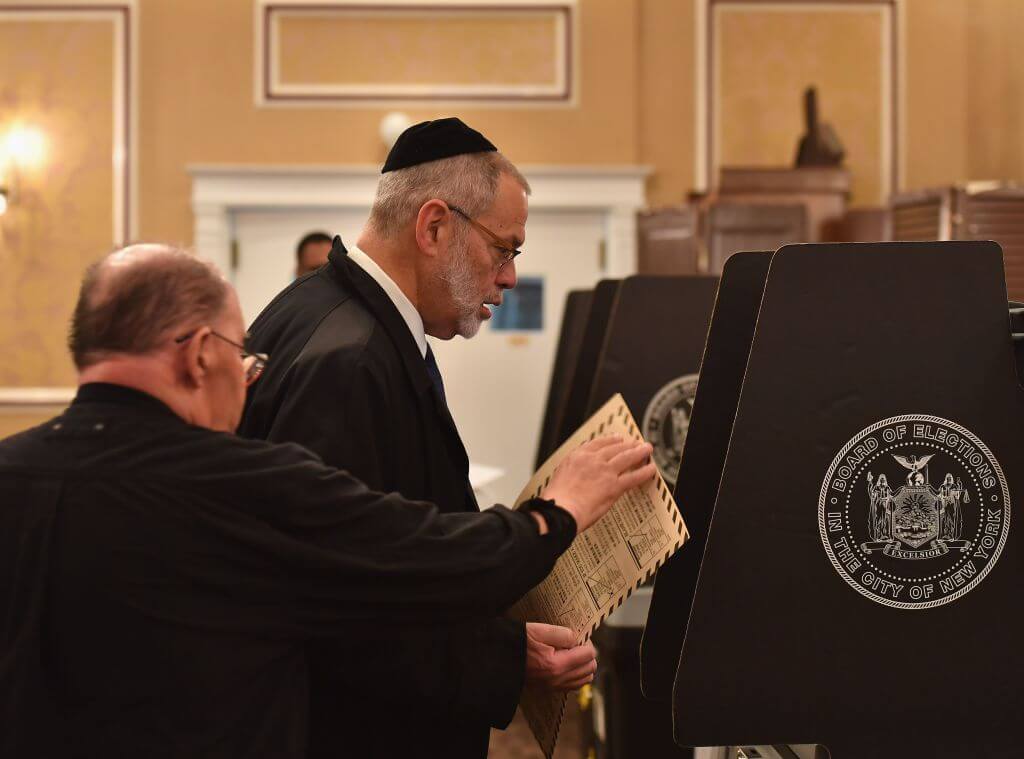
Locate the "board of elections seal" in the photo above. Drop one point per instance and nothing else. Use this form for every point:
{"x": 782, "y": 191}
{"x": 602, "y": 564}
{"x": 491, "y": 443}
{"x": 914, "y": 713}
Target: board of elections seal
{"x": 666, "y": 421}
{"x": 914, "y": 511}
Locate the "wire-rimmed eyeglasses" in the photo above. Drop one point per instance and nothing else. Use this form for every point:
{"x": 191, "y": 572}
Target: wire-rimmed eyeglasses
{"x": 254, "y": 363}
{"x": 508, "y": 253}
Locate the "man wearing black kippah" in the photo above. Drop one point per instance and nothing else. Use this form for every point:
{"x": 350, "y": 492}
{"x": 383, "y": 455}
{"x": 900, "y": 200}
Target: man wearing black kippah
{"x": 354, "y": 379}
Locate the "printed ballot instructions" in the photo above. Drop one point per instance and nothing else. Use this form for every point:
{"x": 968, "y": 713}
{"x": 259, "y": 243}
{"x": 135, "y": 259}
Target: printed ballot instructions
{"x": 604, "y": 564}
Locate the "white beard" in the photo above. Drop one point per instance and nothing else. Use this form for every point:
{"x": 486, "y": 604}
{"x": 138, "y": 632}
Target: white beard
{"x": 459, "y": 282}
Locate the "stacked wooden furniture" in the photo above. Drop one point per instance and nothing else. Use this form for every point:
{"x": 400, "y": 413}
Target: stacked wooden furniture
{"x": 667, "y": 241}
{"x": 821, "y": 191}
{"x": 759, "y": 209}
{"x": 972, "y": 211}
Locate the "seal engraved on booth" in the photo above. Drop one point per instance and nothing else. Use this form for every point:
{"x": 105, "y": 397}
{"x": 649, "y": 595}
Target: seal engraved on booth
{"x": 914, "y": 511}
{"x": 666, "y": 421}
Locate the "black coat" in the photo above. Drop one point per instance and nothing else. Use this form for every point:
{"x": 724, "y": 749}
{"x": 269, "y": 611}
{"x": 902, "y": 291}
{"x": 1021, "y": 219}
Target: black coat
{"x": 346, "y": 379}
{"x": 159, "y": 582}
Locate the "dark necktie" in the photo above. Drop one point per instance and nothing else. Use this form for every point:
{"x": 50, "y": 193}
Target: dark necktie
{"x": 435, "y": 377}
{"x": 435, "y": 374}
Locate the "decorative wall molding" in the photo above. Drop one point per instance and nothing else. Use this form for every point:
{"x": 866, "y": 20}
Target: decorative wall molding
{"x": 123, "y": 14}
{"x": 17, "y": 400}
{"x": 272, "y": 90}
{"x": 220, "y": 190}
{"x": 891, "y": 92}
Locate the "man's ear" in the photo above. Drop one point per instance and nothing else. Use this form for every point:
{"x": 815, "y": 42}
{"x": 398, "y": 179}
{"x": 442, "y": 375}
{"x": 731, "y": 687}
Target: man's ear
{"x": 195, "y": 361}
{"x": 433, "y": 227}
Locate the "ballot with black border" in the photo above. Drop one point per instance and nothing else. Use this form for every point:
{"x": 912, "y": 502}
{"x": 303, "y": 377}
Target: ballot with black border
{"x": 604, "y": 564}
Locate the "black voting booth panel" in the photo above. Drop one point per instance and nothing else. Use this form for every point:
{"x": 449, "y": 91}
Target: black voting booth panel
{"x": 656, "y": 374}
{"x": 860, "y": 584}
{"x": 1017, "y": 330}
{"x": 652, "y": 353}
{"x": 711, "y": 420}
{"x": 570, "y": 340}
{"x": 630, "y": 725}
{"x": 598, "y": 316}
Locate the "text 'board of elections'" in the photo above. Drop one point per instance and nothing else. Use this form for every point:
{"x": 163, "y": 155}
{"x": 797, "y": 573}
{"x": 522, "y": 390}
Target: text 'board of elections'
{"x": 604, "y": 564}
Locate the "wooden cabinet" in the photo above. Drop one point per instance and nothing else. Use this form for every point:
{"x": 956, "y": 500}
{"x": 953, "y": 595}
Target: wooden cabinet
{"x": 822, "y": 191}
{"x": 973, "y": 211}
{"x": 667, "y": 241}
{"x": 737, "y": 227}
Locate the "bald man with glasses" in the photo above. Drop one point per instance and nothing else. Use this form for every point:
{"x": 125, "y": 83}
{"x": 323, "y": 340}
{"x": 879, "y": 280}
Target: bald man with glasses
{"x": 161, "y": 578}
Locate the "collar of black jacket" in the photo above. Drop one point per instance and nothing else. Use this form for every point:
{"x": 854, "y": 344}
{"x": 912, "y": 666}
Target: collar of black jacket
{"x": 352, "y": 278}
{"x": 338, "y": 250}
{"x": 106, "y": 392}
{"x": 377, "y": 301}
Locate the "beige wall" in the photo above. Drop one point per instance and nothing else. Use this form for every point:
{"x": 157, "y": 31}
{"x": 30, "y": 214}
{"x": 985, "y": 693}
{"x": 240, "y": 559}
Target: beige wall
{"x": 995, "y": 99}
{"x": 203, "y": 110}
{"x": 635, "y": 103}
{"x": 666, "y": 88}
{"x": 935, "y": 97}
{"x": 418, "y": 48}
{"x": 12, "y": 421}
{"x": 62, "y": 216}
{"x": 765, "y": 59}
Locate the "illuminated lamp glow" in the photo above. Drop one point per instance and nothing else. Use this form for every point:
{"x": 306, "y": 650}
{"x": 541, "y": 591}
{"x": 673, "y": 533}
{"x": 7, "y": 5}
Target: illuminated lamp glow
{"x": 25, "y": 146}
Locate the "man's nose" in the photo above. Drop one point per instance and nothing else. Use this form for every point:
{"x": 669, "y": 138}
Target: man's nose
{"x": 506, "y": 278}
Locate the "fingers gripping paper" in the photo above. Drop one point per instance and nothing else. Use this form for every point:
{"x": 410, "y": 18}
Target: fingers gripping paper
{"x": 603, "y": 566}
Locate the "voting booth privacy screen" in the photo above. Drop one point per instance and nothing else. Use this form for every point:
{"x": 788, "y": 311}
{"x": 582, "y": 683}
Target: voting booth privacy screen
{"x": 859, "y": 586}
{"x": 713, "y": 410}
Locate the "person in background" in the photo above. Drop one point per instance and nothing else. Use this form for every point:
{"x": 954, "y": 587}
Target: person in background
{"x": 355, "y": 380}
{"x": 161, "y": 577}
{"x": 311, "y": 252}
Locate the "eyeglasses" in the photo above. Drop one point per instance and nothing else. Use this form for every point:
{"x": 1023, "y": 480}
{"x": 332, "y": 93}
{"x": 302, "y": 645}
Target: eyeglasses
{"x": 254, "y": 363}
{"x": 499, "y": 243}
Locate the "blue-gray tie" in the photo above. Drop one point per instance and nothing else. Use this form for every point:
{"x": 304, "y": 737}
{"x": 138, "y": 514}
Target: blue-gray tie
{"x": 435, "y": 374}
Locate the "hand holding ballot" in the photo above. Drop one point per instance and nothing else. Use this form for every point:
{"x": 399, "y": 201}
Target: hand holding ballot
{"x": 555, "y": 661}
{"x": 595, "y": 475}
{"x": 602, "y": 475}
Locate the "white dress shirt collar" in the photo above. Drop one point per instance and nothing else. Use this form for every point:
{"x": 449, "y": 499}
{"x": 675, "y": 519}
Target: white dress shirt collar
{"x": 405, "y": 307}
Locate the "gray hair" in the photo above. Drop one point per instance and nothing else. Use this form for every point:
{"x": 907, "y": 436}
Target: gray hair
{"x": 135, "y": 298}
{"x": 469, "y": 181}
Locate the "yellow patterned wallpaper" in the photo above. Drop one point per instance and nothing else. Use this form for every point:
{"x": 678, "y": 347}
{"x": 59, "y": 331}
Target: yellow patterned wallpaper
{"x": 63, "y": 215}
{"x": 418, "y": 48}
{"x": 765, "y": 59}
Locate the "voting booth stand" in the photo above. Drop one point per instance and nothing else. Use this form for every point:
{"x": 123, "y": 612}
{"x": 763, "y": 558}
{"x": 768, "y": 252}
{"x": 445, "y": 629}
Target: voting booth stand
{"x": 579, "y": 351}
{"x": 570, "y": 339}
{"x": 622, "y": 349}
{"x": 848, "y": 479}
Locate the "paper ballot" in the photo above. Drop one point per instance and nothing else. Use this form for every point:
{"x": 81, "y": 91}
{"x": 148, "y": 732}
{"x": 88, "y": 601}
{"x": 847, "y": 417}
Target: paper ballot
{"x": 604, "y": 564}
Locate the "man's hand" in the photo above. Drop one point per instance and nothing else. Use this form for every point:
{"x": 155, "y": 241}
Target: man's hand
{"x": 554, "y": 660}
{"x": 593, "y": 477}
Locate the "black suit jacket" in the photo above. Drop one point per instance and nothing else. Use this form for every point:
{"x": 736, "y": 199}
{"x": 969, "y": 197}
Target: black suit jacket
{"x": 160, "y": 582}
{"x": 346, "y": 379}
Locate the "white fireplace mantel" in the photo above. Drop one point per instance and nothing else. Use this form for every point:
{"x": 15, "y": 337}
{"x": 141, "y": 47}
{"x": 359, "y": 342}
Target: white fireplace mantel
{"x": 220, "y": 190}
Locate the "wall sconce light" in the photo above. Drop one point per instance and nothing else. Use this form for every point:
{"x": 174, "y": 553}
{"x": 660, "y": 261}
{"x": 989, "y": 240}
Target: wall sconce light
{"x": 23, "y": 148}
{"x": 391, "y": 126}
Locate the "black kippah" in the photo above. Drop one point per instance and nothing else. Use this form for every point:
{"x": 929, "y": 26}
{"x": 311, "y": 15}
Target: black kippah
{"x": 433, "y": 140}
